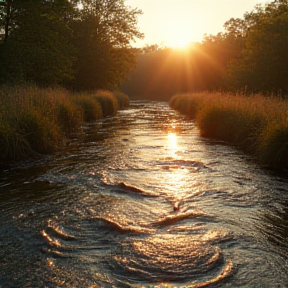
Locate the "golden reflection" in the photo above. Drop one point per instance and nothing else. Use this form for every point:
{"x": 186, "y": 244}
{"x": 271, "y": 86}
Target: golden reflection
{"x": 50, "y": 263}
{"x": 172, "y": 142}
{"x": 177, "y": 180}
{"x": 172, "y": 255}
{"x": 50, "y": 240}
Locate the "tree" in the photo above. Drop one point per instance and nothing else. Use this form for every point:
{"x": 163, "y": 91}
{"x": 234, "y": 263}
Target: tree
{"x": 264, "y": 63}
{"x": 55, "y": 42}
{"x": 36, "y": 46}
{"x": 102, "y": 36}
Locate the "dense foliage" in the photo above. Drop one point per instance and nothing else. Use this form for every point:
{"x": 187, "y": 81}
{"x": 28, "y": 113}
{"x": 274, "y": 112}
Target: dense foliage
{"x": 249, "y": 56}
{"x": 263, "y": 65}
{"x": 81, "y": 44}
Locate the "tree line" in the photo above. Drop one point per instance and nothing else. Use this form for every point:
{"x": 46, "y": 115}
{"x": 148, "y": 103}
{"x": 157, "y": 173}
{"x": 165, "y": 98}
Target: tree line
{"x": 80, "y": 44}
{"x": 249, "y": 56}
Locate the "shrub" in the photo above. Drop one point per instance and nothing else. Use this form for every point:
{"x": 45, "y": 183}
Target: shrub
{"x": 41, "y": 133}
{"x": 70, "y": 116}
{"x": 257, "y": 124}
{"x": 90, "y": 107}
{"x": 13, "y": 145}
{"x": 107, "y": 101}
{"x": 219, "y": 123}
{"x": 122, "y": 99}
{"x": 273, "y": 145}
{"x": 188, "y": 104}
{"x": 32, "y": 119}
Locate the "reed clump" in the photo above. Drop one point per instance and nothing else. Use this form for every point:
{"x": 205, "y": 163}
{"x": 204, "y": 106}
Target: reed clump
{"x": 108, "y": 102}
{"x": 122, "y": 99}
{"x": 40, "y": 131}
{"x": 13, "y": 144}
{"x": 257, "y": 124}
{"x": 91, "y": 108}
{"x": 70, "y": 116}
{"x": 35, "y": 120}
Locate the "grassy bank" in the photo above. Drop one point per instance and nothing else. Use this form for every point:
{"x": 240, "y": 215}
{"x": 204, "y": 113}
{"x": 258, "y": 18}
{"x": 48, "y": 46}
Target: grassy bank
{"x": 34, "y": 120}
{"x": 257, "y": 124}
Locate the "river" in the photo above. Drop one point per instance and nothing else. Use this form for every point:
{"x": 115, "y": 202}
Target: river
{"x": 141, "y": 200}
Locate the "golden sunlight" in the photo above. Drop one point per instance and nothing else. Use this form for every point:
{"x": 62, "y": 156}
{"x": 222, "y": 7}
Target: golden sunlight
{"x": 178, "y": 39}
{"x": 180, "y": 22}
{"x": 172, "y": 142}
{"x": 80, "y": 6}
{"x": 178, "y": 42}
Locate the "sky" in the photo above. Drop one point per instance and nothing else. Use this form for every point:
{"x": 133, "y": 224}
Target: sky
{"x": 176, "y": 23}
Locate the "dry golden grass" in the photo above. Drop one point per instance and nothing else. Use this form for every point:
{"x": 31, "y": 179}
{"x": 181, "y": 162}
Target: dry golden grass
{"x": 257, "y": 124}
{"x": 35, "y": 120}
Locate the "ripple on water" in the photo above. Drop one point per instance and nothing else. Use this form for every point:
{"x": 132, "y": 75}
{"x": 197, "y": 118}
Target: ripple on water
{"x": 145, "y": 245}
{"x": 171, "y": 257}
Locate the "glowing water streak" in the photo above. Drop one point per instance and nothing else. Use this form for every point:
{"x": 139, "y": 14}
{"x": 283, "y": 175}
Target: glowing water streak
{"x": 224, "y": 274}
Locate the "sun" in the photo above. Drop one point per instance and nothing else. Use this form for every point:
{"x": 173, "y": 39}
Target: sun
{"x": 178, "y": 44}
{"x": 178, "y": 35}
{"x": 178, "y": 41}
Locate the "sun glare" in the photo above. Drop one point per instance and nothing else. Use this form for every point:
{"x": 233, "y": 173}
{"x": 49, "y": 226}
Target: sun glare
{"x": 80, "y": 6}
{"x": 178, "y": 43}
{"x": 178, "y": 36}
{"x": 172, "y": 142}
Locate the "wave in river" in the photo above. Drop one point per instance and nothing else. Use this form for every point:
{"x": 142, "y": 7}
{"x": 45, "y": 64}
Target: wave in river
{"x": 172, "y": 257}
{"x": 178, "y": 216}
{"x": 122, "y": 228}
{"x": 225, "y": 273}
{"x": 134, "y": 190}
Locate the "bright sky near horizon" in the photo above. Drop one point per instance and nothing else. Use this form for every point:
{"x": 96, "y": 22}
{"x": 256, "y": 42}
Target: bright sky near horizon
{"x": 176, "y": 23}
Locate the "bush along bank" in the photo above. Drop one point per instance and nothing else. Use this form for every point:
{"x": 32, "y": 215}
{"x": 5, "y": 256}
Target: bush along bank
{"x": 257, "y": 124}
{"x": 36, "y": 121}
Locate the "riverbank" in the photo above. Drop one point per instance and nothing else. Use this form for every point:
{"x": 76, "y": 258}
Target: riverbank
{"x": 35, "y": 120}
{"x": 256, "y": 124}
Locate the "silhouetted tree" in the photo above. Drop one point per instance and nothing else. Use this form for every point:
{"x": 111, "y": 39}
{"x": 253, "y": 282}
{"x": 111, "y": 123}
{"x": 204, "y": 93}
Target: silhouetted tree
{"x": 55, "y": 42}
{"x": 264, "y": 62}
{"x": 102, "y": 36}
{"x": 36, "y": 45}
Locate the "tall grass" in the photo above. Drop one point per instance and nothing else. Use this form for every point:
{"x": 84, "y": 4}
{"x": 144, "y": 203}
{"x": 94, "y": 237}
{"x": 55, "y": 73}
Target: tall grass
{"x": 122, "y": 99}
{"x": 257, "y": 124}
{"x": 91, "y": 108}
{"x": 35, "y": 120}
{"x": 108, "y": 102}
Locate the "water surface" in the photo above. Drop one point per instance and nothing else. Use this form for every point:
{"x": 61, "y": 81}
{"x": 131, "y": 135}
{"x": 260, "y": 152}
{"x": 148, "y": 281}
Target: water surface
{"x": 140, "y": 200}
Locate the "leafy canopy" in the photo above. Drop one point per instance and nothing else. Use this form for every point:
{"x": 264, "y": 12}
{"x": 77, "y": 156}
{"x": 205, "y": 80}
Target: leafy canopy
{"x": 54, "y": 42}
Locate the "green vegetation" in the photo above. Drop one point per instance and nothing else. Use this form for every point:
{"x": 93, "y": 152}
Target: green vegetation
{"x": 36, "y": 120}
{"x": 249, "y": 56}
{"x": 54, "y": 42}
{"x": 257, "y": 124}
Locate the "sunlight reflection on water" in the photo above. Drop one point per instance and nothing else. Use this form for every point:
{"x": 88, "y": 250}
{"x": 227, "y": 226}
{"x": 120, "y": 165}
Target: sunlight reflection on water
{"x": 172, "y": 143}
